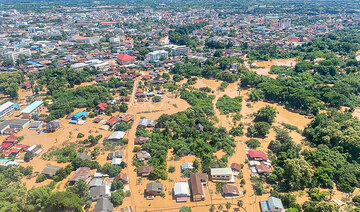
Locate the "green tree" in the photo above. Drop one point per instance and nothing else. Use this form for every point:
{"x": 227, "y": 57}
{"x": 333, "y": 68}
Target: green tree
{"x": 297, "y": 173}
{"x": 117, "y": 197}
{"x": 265, "y": 114}
{"x": 61, "y": 201}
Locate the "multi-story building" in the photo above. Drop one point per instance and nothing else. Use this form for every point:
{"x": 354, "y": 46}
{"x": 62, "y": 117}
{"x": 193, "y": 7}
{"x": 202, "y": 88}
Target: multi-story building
{"x": 158, "y": 55}
{"x": 6, "y": 109}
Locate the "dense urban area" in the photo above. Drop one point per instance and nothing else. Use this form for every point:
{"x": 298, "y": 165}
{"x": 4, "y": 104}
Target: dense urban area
{"x": 180, "y": 105}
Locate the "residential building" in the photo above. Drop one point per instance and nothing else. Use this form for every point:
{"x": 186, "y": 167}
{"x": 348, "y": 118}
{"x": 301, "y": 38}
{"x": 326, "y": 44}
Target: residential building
{"x": 187, "y": 166}
{"x": 82, "y": 173}
{"x": 154, "y": 189}
{"x": 98, "y": 192}
{"x": 83, "y": 156}
{"x": 50, "y": 171}
{"x": 257, "y": 155}
{"x": 123, "y": 178}
{"x": 180, "y": 50}
{"x": 197, "y": 183}
{"x": 6, "y": 109}
{"x": 52, "y": 126}
{"x": 272, "y": 204}
{"x": 144, "y": 123}
{"x": 144, "y": 171}
{"x": 78, "y": 116}
{"x": 103, "y": 205}
{"x": 230, "y": 191}
{"x": 181, "y": 191}
{"x": 116, "y": 136}
{"x": 140, "y": 140}
{"x": 222, "y": 174}
{"x": 143, "y": 155}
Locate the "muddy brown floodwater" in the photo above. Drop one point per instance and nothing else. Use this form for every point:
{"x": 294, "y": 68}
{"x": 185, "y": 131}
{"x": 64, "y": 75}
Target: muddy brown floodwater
{"x": 264, "y": 66}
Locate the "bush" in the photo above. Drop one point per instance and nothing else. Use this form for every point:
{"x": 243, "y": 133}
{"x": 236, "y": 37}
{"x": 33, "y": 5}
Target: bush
{"x": 123, "y": 107}
{"x": 228, "y": 105}
{"x": 80, "y": 135}
{"x": 253, "y": 143}
{"x": 156, "y": 99}
{"x": 259, "y": 129}
{"x": 117, "y": 197}
{"x": 237, "y": 131}
{"x": 41, "y": 178}
{"x": 171, "y": 169}
{"x": 265, "y": 114}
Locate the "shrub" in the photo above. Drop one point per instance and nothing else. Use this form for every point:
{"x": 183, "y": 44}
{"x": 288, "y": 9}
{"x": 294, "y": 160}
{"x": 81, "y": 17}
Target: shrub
{"x": 253, "y": 143}
{"x": 41, "y": 178}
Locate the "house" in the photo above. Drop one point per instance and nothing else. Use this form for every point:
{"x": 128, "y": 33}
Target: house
{"x": 143, "y": 155}
{"x": 222, "y": 175}
{"x": 101, "y": 107}
{"x": 11, "y": 139}
{"x": 144, "y": 123}
{"x": 263, "y": 168}
{"x": 113, "y": 121}
{"x": 6, "y": 146}
{"x": 125, "y": 59}
{"x": 100, "y": 79}
{"x": 78, "y": 116}
{"x": 34, "y": 107}
{"x": 35, "y": 125}
{"x": 230, "y": 191}
{"x": 235, "y": 167}
{"x": 197, "y": 182}
{"x": 6, "y": 109}
{"x": 52, "y": 126}
{"x": 141, "y": 140}
{"x": 144, "y": 171}
{"x": 187, "y": 166}
{"x": 117, "y": 135}
{"x": 181, "y": 191}
{"x": 50, "y": 171}
{"x": 100, "y": 192}
{"x": 200, "y": 128}
{"x": 97, "y": 120}
{"x": 83, "y": 156}
{"x": 154, "y": 189}
{"x": 96, "y": 182}
{"x": 123, "y": 178}
{"x": 272, "y": 204}
{"x": 82, "y": 173}
{"x": 112, "y": 155}
{"x": 116, "y": 161}
{"x": 257, "y": 155}
{"x": 103, "y": 205}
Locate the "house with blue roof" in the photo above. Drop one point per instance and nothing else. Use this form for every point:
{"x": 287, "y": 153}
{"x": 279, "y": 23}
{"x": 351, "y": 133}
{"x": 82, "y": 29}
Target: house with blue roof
{"x": 77, "y": 116}
{"x": 34, "y": 107}
{"x": 272, "y": 204}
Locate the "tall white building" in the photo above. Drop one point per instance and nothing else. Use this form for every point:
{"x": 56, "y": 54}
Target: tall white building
{"x": 6, "y": 109}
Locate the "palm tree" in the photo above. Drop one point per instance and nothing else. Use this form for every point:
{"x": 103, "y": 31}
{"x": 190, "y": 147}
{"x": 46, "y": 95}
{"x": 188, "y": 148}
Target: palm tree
{"x": 240, "y": 203}
{"x": 220, "y": 207}
{"x": 228, "y": 205}
{"x": 212, "y": 208}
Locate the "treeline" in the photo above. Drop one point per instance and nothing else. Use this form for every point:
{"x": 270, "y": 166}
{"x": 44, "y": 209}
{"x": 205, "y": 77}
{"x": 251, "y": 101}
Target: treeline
{"x": 213, "y": 68}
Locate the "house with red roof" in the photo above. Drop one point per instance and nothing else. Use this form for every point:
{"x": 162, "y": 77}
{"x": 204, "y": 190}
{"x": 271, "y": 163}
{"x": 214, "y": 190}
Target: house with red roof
{"x": 257, "y": 155}
{"x": 6, "y": 146}
{"x": 101, "y": 107}
{"x": 11, "y": 139}
{"x": 125, "y": 59}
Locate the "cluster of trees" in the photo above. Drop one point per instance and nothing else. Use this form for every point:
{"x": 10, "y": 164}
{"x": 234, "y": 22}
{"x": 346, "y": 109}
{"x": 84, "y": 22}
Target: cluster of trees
{"x": 180, "y": 133}
{"x": 87, "y": 96}
{"x": 180, "y": 35}
{"x": 10, "y": 83}
{"x": 213, "y": 68}
{"x": 15, "y": 197}
{"x": 264, "y": 118}
{"x": 228, "y": 105}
